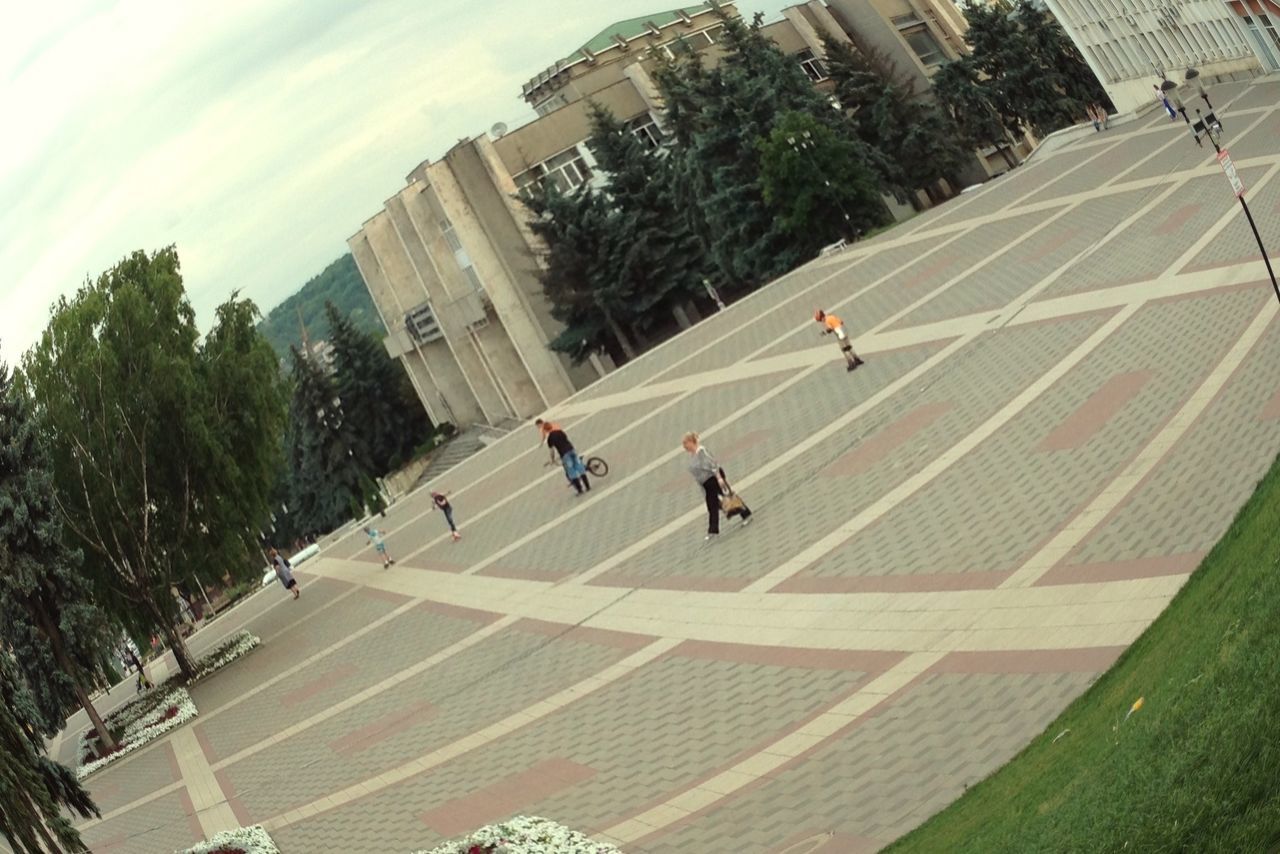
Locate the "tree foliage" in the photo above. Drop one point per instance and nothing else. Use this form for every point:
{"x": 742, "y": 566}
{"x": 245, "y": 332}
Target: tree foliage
{"x": 719, "y": 116}
{"x": 47, "y": 615}
{"x": 34, "y": 789}
{"x": 375, "y": 390}
{"x": 801, "y": 193}
{"x": 326, "y": 481}
{"x": 339, "y": 283}
{"x": 1029, "y": 70}
{"x": 890, "y": 116}
{"x": 163, "y": 445}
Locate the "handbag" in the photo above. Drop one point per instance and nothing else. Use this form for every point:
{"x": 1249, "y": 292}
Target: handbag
{"x": 730, "y": 503}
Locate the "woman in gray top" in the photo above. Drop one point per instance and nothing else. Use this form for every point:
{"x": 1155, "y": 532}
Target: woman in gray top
{"x": 707, "y": 472}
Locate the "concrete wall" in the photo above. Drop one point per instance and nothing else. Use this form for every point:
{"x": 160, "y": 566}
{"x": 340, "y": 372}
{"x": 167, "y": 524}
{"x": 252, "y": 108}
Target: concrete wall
{"x": 551, "y": 134}
{"x": 435, "y": 374}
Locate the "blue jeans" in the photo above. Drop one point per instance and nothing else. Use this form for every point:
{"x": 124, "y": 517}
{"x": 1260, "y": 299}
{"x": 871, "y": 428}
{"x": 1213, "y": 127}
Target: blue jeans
{"x": 448, "y": 517}
{"x": 573, "y": 467}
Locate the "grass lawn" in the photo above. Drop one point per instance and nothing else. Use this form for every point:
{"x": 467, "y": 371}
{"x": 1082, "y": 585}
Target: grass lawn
{"x": 1197, "y": 768}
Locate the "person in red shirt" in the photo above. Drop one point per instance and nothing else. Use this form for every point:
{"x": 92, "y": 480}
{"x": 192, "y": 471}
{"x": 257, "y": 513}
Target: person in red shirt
{"x": 832, "y": 325}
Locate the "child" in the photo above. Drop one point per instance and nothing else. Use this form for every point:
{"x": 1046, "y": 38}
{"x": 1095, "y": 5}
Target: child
{"x": 833, "y": 325}
{"x": 375, "y": 537}
{"x": 441, "y": 500}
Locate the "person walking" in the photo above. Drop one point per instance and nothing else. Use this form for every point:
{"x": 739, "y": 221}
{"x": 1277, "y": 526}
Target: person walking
{"x": 379, "y": 545}
{"x": 1164, "y": 100}
{"x": 832, "y": 325}
{"x": 557, "y": 440}
{"x": 284, "y": 572}
{"x": 441, "y": 501}
{"x": 715, "y": 486}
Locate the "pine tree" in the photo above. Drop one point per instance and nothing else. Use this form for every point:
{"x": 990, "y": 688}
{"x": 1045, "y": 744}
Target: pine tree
{"x": 46, "y": 609}
{"x": 34, "y": 788}
{"x": 575, "y": 230}
{"x": 889, "y": 116}
{"x": 325, "y": 474}
{"x": 653, "y": 260}
{"x": 1056, "y": 51}
{"x": 967, "y": 101}
{"x": 719, "y": 116}
{"x": 386, "y": 417}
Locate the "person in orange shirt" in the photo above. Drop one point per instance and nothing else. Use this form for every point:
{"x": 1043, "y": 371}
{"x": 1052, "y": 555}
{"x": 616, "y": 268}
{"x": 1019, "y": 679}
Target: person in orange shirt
{"x": 832, "y": 325}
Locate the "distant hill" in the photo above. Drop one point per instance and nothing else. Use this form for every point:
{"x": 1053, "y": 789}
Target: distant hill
{"x": 340, "y": 283}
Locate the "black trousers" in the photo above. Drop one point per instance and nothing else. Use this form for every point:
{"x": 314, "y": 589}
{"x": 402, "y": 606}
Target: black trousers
{"x": 711, "y": 488}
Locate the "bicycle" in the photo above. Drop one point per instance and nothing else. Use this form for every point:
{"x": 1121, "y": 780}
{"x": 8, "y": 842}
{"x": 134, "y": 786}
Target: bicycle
{"x": 596, "y": 466}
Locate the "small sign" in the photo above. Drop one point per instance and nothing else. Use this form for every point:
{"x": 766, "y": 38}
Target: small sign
{"x": 1229, "y": 168}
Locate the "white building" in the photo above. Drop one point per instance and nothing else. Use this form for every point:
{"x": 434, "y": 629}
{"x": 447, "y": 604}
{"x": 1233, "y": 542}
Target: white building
{"x": 1132, "y": 45}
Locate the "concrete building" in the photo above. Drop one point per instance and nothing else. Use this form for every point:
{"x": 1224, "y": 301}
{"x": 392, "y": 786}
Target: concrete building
{"x": 1261, "y": 20}
{"x": 1131, "y": 46}
{"x": 450, "y": 260}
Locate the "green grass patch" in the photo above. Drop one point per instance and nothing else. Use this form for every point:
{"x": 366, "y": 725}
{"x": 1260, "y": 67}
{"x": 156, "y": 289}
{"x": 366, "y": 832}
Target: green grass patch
{"x": 1197, "y": 768}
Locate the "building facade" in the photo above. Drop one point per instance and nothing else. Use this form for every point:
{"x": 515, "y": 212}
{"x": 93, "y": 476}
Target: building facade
{"x": 450, "y": 260}
{"x": 1133, "y": 46}
{"x": 1261, "y": 20}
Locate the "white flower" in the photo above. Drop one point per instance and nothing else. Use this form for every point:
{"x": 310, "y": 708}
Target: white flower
{"x": 141, "y": 730}
{"x": 254, "y": 840}
{"x": 228, "y": 651}
{"x": 526, "y": 835}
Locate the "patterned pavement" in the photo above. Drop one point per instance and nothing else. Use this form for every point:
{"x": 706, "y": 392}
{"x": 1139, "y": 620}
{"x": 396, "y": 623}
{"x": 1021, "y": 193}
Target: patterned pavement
{"x": 1073, "y": 382}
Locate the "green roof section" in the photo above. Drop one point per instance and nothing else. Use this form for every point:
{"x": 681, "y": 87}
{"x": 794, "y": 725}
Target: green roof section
{"x": 633, "y": 28}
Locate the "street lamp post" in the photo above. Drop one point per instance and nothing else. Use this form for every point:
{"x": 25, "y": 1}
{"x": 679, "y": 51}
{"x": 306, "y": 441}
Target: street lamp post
{"x": 803, "y": 145}
{"x": 1208, "y": 126}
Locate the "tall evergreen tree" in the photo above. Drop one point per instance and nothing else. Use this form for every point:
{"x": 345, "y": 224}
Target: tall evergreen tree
{"x": 719, "y": 115}
{"x": 33, "y": 788}
{"x": 1056, "y": 51}
{"x": 890, "y": 116}
{"x": 653, "y": 256}
{"x": 326, "y": 476}
{"x": 46, "y": 610}
{"x": 576, "y": 233}
{"x": 387, "y": 419}
{"x": 968, "y": 102}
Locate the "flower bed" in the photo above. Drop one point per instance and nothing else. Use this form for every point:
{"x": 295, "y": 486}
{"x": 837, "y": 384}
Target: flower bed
{"x": 138, "y": 723}
{"x": 525, "y": 835}
{"x": 242, "y": 840}
{"x": 239, "y": 644}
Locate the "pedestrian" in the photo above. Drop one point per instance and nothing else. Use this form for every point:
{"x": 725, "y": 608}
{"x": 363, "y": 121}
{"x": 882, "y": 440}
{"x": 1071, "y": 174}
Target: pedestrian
{"x": 715, "y": 486}
{"x": 558, "y": 442}
{"x": 1092, "y": 111}
{"x": 1160, "y": 96}
{"x": 379, "y": 545}
{"x": 441, "y": 501}
{"x": 284, "y": 572}
{"x": 832, "y": 325}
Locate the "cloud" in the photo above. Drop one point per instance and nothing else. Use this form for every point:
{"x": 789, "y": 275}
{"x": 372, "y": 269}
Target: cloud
{"x": 255, "y": 134}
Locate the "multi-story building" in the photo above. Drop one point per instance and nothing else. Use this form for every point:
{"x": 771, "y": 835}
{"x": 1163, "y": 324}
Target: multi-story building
{"x": 1261, "y": 19}
{"x": 450, "y": 260}
{"x": 1133, "y": 46}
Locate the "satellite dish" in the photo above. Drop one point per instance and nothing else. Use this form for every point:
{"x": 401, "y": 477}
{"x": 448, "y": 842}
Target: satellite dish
{"x": 499, "y": 130}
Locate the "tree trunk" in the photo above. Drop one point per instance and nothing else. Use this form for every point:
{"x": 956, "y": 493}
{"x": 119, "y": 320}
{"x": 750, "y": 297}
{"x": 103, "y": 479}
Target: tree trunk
{"x": 624, "y": 342}
{"x": 182, "y": 655}
{"x": 73, "y": 671}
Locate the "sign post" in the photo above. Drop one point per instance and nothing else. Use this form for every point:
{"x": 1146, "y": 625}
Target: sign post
{"x": 1229, "y": 169}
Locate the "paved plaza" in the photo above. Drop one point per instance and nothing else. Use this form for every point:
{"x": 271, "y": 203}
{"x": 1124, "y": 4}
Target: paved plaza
{"x": 1072, "y": 385}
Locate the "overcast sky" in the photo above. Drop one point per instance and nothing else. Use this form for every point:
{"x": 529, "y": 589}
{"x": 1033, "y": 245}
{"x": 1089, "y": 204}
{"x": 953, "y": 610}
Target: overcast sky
{"x": 257, "y": 135}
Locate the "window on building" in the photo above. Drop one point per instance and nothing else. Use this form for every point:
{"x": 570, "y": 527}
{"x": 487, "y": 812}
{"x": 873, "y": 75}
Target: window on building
{"x": 566, "y": 171}
{"x": 925, "y": 46}
{"x": 812, "y": 66}
{"x": 692, "y": 42}
{"x": 550, "y": 105}
{"x": 422, "y": 325}
{"x": 645, "y": 129}
{"x": 1271, "y": 29}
